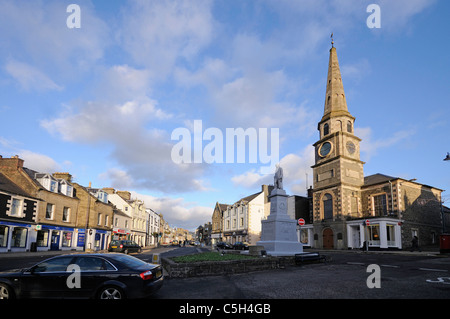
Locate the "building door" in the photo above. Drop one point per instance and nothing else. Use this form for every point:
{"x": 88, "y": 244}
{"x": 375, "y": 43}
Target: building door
{"x": 356, "y": 237}
{"x": 328, "y": 242}
{"x": 54, "y": 244}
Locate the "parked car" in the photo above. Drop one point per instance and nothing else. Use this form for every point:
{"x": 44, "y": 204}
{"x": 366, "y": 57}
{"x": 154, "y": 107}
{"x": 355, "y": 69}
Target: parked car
{"x": 175, "y": 243}
{"x": 224, "y": 245}
{"x": 240, "y": 245}
{"x": 101, "y": 276}
{"x": 124, "y": 246}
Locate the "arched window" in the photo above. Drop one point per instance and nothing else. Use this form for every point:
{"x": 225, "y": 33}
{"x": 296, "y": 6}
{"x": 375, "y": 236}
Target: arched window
{"x": 327, "y": 206}
{"x": 326, "y": 129}
{"x": 349, "y": 126}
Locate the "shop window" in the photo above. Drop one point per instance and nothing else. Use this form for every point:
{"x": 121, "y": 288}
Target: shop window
{"x": 19, "y": 237}
{"x": 390, "y": 234}
{"x": 374, "y": 235}
{"x": 67, "y": 239}
{"x": 42, "y": 238}
{"x": 4, "y": 231}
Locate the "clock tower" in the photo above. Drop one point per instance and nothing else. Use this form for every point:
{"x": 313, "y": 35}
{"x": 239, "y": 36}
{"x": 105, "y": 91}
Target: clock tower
{"x": 338, "y": 171}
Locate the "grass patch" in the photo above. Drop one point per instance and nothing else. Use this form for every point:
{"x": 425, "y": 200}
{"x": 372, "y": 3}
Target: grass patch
{"x": 209, "y": 256}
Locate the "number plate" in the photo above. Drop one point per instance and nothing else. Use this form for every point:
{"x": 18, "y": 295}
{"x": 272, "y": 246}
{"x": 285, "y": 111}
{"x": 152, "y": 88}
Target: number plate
{"x": 113, "y": 246}
{"x": 158, "y": 274}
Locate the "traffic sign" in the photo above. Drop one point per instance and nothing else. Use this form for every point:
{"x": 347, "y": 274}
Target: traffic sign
{"x": 367, "y": 222}
{"x": 301, "y": 221}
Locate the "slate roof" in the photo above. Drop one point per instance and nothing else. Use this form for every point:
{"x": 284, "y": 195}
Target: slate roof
{"x": 9, "y": 186}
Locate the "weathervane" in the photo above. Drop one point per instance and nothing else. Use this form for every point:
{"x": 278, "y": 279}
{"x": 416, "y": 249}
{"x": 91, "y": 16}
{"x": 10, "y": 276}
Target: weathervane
{"x": 332, "y": 41}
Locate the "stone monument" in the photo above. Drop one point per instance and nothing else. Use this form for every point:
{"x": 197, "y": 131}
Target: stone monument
{"x": 279, "y": 231}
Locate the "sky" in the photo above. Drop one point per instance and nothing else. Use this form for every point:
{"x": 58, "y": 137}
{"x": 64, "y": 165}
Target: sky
{"x": 110, "y": 90}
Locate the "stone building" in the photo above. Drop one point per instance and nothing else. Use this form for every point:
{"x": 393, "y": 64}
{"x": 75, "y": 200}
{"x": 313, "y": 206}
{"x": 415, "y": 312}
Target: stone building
{"x": 135, "y": 209}
{"x": 343, "y": 199}
{"x": 95, "y": 215}
{"x": 217, "y": 223}
{"x": 17, "y": 217}
{"x": 242, "y": 220}
{"x": 57, "y": 208}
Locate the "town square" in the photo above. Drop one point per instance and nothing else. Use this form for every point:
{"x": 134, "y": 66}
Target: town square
{"x": 225, "y": 158}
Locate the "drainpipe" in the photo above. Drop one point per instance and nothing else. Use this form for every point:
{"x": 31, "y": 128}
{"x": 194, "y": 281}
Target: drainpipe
{"x": 392, "y": 198}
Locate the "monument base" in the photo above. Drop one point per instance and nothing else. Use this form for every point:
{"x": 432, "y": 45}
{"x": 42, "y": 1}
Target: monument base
{"x": 278, "y": 231}
{"x": 281, "y": 248}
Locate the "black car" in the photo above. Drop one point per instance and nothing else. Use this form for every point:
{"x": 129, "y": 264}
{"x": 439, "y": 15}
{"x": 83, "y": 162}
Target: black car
{"x": 99, "y": 276}
{"x": 223, "y": 245}
{"x": 240, "y": 246}
{"x": 124, "y": 246}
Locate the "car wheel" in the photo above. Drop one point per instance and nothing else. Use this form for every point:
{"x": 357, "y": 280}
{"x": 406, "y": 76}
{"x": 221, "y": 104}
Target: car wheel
{"x": 6, "y": 292}
{"x": 111, "y": 292}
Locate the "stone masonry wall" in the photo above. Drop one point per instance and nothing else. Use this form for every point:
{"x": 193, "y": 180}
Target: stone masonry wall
{"x": 214, "y": 268}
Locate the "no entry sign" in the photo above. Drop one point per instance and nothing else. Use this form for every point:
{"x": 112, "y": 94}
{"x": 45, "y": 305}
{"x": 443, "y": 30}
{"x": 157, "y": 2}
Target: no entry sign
{"x": 301, "y": 221}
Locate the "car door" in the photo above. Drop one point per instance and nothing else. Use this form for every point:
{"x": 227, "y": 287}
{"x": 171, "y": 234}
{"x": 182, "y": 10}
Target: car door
{"x": 93, "y": 271}
{"x": 46, "y": 279}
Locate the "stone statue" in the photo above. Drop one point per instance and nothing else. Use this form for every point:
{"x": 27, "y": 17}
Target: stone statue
{"x": 278, "y": 178}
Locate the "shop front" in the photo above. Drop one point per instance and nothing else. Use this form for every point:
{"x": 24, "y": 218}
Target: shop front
{"x": 121, "y": 233}
{"x": 378, "y": 233}
{"x": 97, "y": 239}
{"x": 49, "y": 237}
{"x": 16, "y": 237}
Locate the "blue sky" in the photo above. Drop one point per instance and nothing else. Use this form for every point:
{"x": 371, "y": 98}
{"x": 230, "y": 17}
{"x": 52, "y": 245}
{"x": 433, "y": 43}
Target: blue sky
{"x": 102, "y": 101}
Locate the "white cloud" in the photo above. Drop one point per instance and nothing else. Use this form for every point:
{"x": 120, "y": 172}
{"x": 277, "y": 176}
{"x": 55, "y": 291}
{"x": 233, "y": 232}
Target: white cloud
{"x": 371, "y": 147}
{"x": 39, "y": 162}
{"x": 29, "y": 77}
{"x": 176, "y": 211}
{"x": 396, "y": 15}
{"x": 37, "y": 32}
{"x": 157, "y": 33}
{"x": 296, "y": 168}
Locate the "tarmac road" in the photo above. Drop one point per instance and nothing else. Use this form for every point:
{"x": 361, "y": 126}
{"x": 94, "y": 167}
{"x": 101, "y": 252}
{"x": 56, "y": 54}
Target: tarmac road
{"x": 402, "y": 275}
{"x": 406, "y": 276}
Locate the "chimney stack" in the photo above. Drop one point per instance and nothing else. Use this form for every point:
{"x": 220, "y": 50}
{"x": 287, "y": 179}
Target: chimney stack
{"x": 124, "y": 194}
{"x": 65, "y": 176}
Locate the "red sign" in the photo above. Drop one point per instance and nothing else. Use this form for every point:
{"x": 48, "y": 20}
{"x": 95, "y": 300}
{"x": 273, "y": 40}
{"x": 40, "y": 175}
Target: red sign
{"x": 367, "y": 222}
{"x": 301, "y": 221}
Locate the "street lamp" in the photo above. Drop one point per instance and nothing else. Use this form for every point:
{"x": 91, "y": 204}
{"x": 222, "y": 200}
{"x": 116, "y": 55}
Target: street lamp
{"x": 447, "y": 158}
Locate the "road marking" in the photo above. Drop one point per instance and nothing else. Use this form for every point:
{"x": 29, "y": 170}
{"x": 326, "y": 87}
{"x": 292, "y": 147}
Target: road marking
{"x": 432, "y": 269}
{"x": 390, "y": 266}
{"x": 441, "y": 280}
{"x": 355, "y": 263}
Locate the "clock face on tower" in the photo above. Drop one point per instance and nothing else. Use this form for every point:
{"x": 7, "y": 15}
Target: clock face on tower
{"x": 351, "y": 147}
{"x": 325, "y": 149}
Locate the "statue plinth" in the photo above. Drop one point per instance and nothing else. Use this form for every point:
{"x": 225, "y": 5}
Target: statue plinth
{"x": 279, "y": 231}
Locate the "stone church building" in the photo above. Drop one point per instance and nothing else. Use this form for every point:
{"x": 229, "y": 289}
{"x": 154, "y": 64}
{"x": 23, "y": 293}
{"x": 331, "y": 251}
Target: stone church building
{"x": 350, "y": 210}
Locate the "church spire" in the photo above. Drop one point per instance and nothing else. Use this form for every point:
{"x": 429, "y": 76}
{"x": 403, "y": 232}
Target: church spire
{"x": 335, "y": 103}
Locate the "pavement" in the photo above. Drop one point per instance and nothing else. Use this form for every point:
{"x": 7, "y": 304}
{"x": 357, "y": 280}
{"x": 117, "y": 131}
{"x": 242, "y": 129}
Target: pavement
{"x": 425, "y": 251}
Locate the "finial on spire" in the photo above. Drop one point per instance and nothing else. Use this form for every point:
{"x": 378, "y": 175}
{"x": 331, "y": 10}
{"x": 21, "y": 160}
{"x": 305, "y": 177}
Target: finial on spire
{"x": 332, "y": 40}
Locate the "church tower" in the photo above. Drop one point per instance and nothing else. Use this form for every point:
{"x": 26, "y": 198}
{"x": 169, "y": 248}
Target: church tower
{"x": 338, "y": 171}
